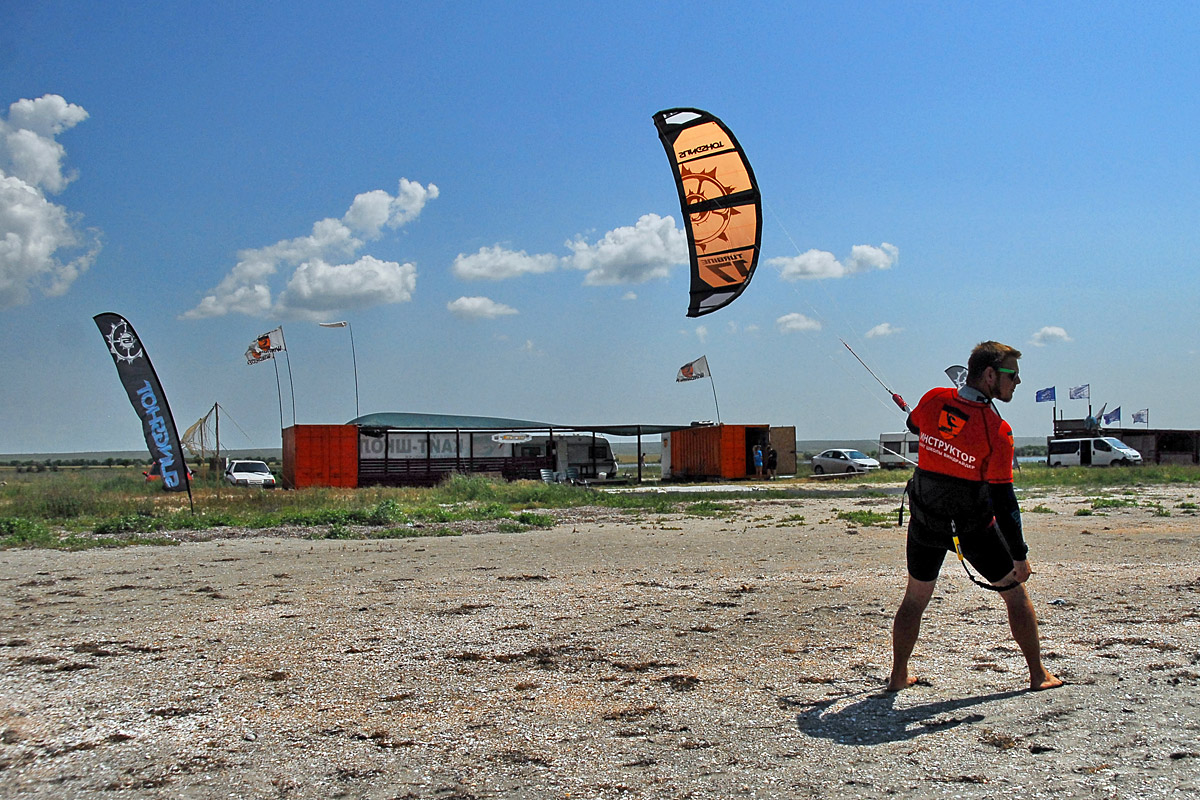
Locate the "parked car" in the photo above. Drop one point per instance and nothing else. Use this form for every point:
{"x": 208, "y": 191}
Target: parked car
{"x": 249, "y": 473}
{"x": 840, "y": 460}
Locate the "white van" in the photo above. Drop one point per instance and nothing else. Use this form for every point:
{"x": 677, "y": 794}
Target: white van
{"x": 1099, "y": 451}
{"x": 897, "y": 450}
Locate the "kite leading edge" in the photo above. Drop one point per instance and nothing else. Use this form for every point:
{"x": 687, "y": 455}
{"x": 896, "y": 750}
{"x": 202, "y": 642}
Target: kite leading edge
{"x": 722, "y": 208}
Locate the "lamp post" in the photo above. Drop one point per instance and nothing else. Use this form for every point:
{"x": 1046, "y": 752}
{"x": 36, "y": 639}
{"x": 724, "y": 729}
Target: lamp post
{"x": 353, "y": 357}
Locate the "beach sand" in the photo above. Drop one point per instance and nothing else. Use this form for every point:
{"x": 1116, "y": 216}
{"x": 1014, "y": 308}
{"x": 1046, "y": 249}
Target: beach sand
{"x": 615, "y": 655}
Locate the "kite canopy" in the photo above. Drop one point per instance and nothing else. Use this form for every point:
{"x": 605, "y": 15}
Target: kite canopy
{"x": 721, "y": 206}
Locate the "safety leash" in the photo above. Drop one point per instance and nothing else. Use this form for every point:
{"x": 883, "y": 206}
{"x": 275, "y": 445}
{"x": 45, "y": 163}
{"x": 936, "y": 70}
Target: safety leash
{"x": 963, "y": 561}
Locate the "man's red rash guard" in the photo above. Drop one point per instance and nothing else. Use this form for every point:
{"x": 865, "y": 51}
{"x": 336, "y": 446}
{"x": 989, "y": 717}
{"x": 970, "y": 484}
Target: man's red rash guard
{"x": 968, "y": 440}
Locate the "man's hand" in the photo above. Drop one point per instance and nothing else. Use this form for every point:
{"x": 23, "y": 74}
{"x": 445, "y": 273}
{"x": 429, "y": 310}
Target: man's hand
{"x": 1021, "y": 571}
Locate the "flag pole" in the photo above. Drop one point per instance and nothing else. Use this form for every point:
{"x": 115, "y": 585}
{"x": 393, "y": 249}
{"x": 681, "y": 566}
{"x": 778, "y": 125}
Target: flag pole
{"x": 715, "y": 403}
{"x": 354, "y": 359}
{"x": 291, "y": 386}
{"x": 278, "y": 390}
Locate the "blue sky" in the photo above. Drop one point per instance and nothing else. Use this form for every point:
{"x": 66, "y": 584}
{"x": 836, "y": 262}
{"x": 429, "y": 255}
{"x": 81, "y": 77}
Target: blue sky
{"x": 479, "y": 189}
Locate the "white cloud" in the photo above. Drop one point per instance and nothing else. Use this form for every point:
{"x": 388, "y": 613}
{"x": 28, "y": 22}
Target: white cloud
{"x": 883, "y": 329}
{"x": 1048, "y": 334}
{"x": 498, "y": 263}
{"x": 629, "y": 296}
{"x": 318, "y": 284}
{"x": 820, "y": 264}
{"x": 702, "y": 333}
{"x": 479, "y": 308}
{"x": 41, "y": 245}
{"x": 636, "y": 254}
{"x": 796, "y": 323}
{"x": 317, "y": 288}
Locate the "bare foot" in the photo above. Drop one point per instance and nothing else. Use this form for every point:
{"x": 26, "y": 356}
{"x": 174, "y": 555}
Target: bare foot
{"x": 1048, "y": 681}
{"x": 897, "y": 683}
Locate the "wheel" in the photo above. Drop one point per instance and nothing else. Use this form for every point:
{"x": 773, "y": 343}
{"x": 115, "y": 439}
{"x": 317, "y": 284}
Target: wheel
{"x": 818, "y": 469}
{"x": 850, "y": 470}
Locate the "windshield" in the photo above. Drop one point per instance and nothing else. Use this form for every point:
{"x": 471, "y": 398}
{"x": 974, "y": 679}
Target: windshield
{"x": 857, "y": 454}
{"x": 250, "y": 466}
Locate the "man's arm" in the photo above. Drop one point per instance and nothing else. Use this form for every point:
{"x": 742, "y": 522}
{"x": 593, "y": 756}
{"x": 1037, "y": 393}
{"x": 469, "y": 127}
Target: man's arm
{"x": 1008, "y": 518}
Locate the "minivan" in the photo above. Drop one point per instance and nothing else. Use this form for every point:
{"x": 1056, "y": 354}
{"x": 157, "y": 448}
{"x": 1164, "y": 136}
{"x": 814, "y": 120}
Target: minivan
{"x": 1099, "y": 451}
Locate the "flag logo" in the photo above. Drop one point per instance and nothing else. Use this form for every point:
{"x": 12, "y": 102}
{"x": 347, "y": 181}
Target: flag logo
{"x": 1045, "y": 395}
{"x": 693, "y": 370}
{"x": 122, "y": 342}
{"x": 1083, "y": 392}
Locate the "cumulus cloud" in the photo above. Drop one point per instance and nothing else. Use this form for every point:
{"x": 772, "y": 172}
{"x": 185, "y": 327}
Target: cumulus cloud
{"x": 629, "y": 296}
{"x": 635, "y": 253}
{"x": 41, "y": 244}
{"x": 1048, "y": 334}
{"x": 318, "y": 284}
{"x": 498, "y": 263}
{"x": 820, "y": 264}
{"x": 702, "y": 333}
{"x": 479, "y": 308}
{"x": 883, "y": 329}
{"x": 631, "y": 254}
{"x": 317, "y": 288}
{"x": 796, "y": 323}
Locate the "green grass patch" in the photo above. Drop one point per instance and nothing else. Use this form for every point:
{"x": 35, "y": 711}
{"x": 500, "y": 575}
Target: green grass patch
{"x": 1101, "y": 503}
{"x": 1041, "y": 508}
{"x": 865, "y": 517}
{"x": 708, "y": 508}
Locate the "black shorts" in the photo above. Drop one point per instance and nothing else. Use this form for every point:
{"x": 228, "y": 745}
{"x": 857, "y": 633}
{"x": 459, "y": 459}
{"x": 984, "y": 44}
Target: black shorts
{"x": 985, "y": 549}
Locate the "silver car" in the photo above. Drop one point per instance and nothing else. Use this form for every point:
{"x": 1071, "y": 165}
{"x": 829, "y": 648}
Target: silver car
{"x": 840, "y": 460}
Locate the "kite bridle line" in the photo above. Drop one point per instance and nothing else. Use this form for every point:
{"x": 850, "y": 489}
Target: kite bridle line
{"x": 896, "y": 398}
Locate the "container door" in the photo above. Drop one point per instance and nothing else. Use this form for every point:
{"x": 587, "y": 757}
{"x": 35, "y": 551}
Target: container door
{"x": 783, "y": 439}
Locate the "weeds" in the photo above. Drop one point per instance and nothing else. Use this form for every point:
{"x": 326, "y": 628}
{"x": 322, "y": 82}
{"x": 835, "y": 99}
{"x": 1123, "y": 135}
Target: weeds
{"x": 864, "y": 517}
{"x": 91, "y": 508}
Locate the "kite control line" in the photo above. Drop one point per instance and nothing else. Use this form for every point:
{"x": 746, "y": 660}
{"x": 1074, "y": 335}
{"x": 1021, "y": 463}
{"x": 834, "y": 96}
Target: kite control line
{"x": 974, "y": 580}
{"x": 896, "y": 398}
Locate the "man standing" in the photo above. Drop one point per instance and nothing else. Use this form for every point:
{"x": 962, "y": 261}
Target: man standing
{"x": 962, "y": 496}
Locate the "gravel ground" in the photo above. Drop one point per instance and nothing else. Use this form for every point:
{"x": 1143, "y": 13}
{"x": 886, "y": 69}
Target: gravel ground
{"x": 615, "y": 655}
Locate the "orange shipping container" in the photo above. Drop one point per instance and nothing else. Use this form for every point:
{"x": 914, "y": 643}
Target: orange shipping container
{"x": 716, "y": 451}
{"x": 320, "y": 455}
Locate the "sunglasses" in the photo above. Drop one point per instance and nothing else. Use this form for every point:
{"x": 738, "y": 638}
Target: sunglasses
{"x": 1012, "y": 372}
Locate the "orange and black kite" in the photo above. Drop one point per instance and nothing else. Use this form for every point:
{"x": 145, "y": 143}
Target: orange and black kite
{"x": 722, "y": 209}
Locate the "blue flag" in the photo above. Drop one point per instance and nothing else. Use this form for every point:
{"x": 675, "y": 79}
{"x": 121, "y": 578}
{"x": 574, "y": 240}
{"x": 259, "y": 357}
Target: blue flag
{"x": 1142, "y": 416}
{"x": 1081, "y": 392}
{"x": 1045, "y": 395}
{"x": 1113, "y": 416}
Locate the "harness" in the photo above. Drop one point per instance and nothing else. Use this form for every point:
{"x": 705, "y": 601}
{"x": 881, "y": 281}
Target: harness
{"x": 923, "y": 483}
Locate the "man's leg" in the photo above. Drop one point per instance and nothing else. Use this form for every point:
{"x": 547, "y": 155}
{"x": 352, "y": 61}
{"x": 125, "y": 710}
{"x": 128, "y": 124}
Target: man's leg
{"x": 905, "y": 630}
{"x": 1022, "y": 620}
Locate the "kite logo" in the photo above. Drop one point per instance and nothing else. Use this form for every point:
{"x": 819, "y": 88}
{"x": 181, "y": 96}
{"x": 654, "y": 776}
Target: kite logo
{"x": 951, "y": 422}
{"x": 704, "y": 148}
{"x": 687, "y": 372}
{"x": 122, "y": 342}
{"x": 707, "y": 226}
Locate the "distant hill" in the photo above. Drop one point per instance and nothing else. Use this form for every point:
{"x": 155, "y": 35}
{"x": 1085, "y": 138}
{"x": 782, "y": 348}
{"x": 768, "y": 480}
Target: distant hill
{"x": 135, "y": 455}
{"x": 626, "y": 451}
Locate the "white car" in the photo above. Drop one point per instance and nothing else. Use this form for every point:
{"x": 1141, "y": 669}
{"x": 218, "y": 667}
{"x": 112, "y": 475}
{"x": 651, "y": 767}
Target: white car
{"x": 249, "y": 473}
{"x": 840, "y": 460}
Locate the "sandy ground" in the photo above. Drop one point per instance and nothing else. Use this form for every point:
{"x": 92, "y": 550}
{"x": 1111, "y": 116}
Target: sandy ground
{"x": 616, "y": 655}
